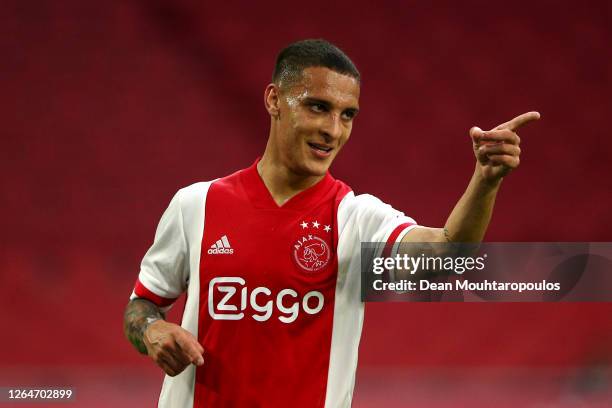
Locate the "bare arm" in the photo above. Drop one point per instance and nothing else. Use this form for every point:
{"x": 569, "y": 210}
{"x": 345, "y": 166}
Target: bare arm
{"x": 139, "y": 314}
{"x": 469, "y": 219}
{"x": 497, "y": 153}
{"x": 169, "y": 345}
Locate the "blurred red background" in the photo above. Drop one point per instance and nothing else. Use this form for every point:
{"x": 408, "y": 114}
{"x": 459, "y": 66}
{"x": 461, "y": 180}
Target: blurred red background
{"x": 109, "y": 107}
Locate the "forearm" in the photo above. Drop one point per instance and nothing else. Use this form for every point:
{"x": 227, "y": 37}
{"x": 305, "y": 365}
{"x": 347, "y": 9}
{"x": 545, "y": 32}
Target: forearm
{"x": 139, "y": 313}
{"x": 497, "y": 153}
{"x": 470, "y": 218}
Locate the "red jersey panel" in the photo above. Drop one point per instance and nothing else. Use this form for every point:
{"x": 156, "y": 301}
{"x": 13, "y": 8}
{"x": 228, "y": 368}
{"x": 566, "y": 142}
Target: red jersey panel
{"x": 267, "y": 301}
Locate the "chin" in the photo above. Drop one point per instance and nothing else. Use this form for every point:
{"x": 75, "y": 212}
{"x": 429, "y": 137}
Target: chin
{"x": 320, "y": 169}
{"x": 316, "y": 169}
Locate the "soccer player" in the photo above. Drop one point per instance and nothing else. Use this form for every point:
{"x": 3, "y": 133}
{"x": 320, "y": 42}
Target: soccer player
{"x": 270, "y": 256}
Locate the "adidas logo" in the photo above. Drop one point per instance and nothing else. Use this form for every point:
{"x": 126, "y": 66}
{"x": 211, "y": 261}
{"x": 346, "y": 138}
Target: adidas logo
{"x": 222, "y": 246}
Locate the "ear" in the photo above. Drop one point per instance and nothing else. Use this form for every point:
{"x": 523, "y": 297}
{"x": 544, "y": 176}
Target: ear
{"x": 271, "y": 100}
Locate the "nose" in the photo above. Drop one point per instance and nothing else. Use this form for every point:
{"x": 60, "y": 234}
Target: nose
{"x": 332, "y": 128}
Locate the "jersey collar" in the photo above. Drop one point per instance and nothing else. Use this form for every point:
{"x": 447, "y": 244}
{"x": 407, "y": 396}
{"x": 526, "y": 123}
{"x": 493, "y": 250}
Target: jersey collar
{"x": 260, "y": 195}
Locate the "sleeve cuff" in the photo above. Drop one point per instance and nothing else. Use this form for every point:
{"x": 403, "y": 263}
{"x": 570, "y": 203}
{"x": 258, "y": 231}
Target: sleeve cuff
{"x": 141, "y": 291}
{"x": 395, "y": 238}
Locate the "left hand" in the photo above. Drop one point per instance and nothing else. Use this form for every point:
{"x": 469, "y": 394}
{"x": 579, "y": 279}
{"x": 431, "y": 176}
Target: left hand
{"x": 497, "y": 150}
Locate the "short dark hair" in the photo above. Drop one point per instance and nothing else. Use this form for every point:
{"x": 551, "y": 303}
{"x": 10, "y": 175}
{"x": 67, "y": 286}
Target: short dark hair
{"x": 296, "y": 57}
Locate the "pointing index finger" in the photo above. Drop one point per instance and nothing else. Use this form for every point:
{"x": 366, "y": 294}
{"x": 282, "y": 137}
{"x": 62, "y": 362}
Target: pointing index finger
{"x": 519, "y": 121}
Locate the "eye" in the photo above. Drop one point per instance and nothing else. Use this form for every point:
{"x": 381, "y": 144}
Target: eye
{"x": 349, "y": 115}
{"x": 318, "y": 107}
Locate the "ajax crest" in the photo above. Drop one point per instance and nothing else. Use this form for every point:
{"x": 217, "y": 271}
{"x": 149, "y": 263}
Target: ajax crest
{"x": 311, "y": 253}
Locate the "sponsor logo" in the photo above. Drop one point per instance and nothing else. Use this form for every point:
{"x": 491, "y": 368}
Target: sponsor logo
{"x": 221, "y": 247}
{"x": 230, "y": 299}
{"x": 311, "y": 253}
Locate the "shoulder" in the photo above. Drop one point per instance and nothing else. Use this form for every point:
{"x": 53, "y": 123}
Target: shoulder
{"x": 194, "y": 192}
{"x": 367, "y": 209}
{"x": 193, "y": 197}
{"x": 188, "y": 202}
{"x": 357, "y": 208}
{"x": 352, "y": 202}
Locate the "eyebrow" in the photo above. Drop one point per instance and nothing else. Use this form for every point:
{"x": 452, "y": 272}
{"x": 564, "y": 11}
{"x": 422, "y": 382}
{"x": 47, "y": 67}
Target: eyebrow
{"x": 312, "y": 100}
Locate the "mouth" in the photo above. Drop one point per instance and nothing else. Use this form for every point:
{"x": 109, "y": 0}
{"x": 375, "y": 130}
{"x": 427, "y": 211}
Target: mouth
{"x": 320, "y": 150}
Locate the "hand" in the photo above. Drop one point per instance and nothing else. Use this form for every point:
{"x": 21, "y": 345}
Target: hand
{"x": 497, "y": 151}
{"x": 172, "y": 347}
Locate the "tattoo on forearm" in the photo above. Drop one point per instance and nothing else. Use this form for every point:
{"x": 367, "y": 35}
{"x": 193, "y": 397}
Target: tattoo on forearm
{"x": 135, "y": 321}
{"x": 447, "y": 235}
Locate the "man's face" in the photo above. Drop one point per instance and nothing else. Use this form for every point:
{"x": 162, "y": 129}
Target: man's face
{"x": 315, "y": 119}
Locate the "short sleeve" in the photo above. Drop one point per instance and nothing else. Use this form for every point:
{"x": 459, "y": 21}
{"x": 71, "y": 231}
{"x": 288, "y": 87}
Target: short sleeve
{"x": 164, "y": 269}
{"x": 374, "y": 220}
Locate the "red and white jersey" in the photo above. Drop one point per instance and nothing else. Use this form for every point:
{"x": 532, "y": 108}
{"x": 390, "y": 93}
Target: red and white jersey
{"x": 273, "y": 292}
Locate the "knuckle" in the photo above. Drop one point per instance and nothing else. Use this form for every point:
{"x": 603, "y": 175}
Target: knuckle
{"x": 167, "y": 346}
{"x": 182, "y": 336}
{"x": 178, "y": 340}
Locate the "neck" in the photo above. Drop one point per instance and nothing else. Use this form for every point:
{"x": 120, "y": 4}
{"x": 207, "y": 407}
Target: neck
{"x": 281, "y": 182}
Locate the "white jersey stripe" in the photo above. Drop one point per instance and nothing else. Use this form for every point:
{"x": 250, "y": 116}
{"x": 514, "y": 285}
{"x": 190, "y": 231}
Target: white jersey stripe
{"x": 177, "y": 392}
{"x": 362, "y": 218}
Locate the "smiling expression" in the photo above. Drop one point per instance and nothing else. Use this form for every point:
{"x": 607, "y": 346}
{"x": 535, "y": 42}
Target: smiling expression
{"x": 314, "y": 120}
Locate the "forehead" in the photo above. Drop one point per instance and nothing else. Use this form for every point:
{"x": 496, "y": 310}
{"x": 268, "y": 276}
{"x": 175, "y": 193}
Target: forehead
{"x": 325, "y": 84}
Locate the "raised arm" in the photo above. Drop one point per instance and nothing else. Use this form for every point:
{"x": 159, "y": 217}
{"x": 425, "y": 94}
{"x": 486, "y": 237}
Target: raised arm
{"x": 169, "y": 345}
{"x": 497, "y": 153}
